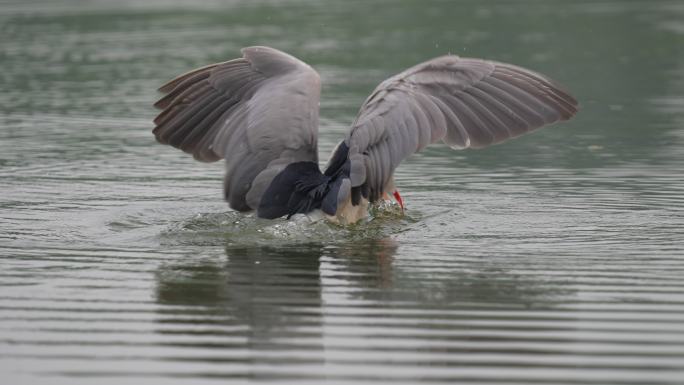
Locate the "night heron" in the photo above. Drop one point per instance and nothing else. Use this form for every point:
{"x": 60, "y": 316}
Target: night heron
{"x": 260, "y": 114}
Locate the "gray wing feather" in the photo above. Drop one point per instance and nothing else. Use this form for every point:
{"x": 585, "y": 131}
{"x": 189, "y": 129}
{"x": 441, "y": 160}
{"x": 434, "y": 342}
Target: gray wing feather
{"x": 256, "y": 112}
{"x": 463, "y": 102}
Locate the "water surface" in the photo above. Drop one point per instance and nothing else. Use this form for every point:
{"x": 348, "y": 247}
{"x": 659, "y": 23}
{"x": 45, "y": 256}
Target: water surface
{"x": 556, "y": 258}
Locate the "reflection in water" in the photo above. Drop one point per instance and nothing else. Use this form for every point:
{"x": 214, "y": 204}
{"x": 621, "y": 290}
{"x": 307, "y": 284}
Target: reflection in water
{"x": 268, "y": 298}
{"x": 364, "y": 264}
{"x": 300, "y": 310}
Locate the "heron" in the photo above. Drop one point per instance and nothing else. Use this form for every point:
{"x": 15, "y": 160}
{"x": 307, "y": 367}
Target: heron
{"x": 260, "y": 113}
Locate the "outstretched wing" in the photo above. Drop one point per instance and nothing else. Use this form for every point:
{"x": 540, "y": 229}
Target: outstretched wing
{"x": 464, "y": 102}
{"x": 258, "y": 112}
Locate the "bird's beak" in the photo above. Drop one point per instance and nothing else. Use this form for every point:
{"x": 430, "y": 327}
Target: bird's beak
{"x": 399, "y": 200}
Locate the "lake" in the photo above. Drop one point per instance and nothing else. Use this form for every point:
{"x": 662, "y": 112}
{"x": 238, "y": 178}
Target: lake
{"x": 556, "y": 258}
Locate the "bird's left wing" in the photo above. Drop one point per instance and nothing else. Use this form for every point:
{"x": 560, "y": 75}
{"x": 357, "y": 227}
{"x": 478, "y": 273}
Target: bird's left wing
{"x": 258, "y": 112}
{"x": 464, "y": 102}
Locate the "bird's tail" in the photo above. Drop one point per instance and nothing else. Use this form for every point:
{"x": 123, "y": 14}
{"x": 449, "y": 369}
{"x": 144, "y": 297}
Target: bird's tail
{"x": 300, "y": 188}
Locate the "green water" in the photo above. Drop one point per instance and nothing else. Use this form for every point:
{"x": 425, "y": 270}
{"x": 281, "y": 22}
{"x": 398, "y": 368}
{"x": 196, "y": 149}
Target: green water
{"x": 554, "y": 259}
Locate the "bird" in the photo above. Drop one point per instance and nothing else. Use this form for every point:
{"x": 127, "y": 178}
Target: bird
{"x": 260, "y": 113}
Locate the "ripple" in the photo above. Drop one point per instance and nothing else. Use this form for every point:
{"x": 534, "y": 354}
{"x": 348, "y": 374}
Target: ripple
{"x": 553, "y": 259}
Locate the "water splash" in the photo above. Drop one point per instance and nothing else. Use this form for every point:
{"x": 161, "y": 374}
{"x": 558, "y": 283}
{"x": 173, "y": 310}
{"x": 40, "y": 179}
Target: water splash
{"x": 233, "y": 228}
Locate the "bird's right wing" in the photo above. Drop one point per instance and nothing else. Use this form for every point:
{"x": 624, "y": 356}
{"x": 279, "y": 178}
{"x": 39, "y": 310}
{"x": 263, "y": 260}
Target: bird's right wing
{"x": 258, "y": 112}
{"x": 464, "y": 102}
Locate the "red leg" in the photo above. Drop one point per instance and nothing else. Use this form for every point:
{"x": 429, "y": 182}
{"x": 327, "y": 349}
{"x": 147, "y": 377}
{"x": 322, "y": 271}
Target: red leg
{"x": 399, "y": 200}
